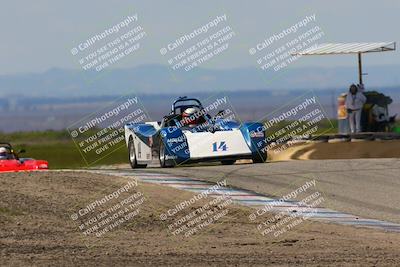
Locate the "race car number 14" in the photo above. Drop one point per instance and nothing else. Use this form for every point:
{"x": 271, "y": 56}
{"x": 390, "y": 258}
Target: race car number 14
{"x": 221, "y": 146}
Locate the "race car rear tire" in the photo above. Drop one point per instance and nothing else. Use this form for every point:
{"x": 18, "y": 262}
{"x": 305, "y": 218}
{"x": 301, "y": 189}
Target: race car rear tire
{"x": 163, "y": 162}
{"x": 259, "y": 157}
{"x": 228, "y": 162}
{"x": 132, "y": 156}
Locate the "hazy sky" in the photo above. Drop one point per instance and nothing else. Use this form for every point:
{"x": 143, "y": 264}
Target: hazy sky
{"x": 38, "y": 35}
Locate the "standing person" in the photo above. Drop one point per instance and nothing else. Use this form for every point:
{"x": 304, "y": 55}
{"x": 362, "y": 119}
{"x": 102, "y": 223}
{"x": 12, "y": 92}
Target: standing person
{"x": 354, "y": 103}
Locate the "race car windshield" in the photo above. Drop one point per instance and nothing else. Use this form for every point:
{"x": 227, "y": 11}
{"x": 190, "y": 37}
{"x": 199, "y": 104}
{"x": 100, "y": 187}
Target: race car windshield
{"x": 182, "y": 105}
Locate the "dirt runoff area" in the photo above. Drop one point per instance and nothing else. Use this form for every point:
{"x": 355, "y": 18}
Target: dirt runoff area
{"x": 50, "y": 218}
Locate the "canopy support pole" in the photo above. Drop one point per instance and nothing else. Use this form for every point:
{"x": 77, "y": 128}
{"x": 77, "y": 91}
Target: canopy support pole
{"x": 360, "y": 69}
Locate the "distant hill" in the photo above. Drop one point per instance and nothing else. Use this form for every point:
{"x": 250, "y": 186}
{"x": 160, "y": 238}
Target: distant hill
{"x": 157, "y": 79}
{"x": 43, "y": 113}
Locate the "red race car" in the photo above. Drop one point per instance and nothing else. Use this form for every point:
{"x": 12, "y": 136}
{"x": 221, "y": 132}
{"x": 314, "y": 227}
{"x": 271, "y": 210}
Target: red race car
{"x": 10, "y": 162}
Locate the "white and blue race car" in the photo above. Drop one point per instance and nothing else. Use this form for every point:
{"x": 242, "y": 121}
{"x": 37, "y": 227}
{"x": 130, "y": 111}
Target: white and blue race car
{"x": 182, "y": 138}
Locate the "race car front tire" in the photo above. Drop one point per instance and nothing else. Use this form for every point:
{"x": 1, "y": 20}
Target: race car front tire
{"x": 259, "y": 157}
{"x": 163, "y": 162}
{"x": 228, "y": 162}
{"x": 132, "y": 155}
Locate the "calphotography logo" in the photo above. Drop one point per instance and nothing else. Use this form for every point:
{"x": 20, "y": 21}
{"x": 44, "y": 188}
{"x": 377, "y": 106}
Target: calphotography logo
{"x": 278, "y": 51}
{"x": 102, "y": 133}
{"x": 109, "y": 46}
{"x": 197, "y": 47}
{"x": 303, "y": 118}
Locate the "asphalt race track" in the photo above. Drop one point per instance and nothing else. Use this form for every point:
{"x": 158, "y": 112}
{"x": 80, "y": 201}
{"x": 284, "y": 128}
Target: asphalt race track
{"x": 365, "y": 187}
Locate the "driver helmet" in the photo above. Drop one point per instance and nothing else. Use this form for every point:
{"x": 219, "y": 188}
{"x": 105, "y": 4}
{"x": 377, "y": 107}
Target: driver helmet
{"x": 4, "y": 153}
{"x": 189, "y": 116}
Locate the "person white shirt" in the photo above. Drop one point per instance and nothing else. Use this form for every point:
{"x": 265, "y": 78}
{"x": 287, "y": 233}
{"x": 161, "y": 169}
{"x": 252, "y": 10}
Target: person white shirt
{"x": 354, "y": 103}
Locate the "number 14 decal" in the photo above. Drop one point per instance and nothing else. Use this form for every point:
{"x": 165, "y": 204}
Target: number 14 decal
{"x": 221, "y": 146}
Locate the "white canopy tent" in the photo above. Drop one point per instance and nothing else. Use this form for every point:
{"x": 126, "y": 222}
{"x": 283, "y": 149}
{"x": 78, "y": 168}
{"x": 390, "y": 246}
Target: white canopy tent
{"x": 348, "y": 48}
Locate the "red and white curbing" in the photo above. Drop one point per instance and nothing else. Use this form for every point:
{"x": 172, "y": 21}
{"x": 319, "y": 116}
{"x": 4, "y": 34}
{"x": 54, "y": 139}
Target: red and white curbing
{"x": 252, "y": 199}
